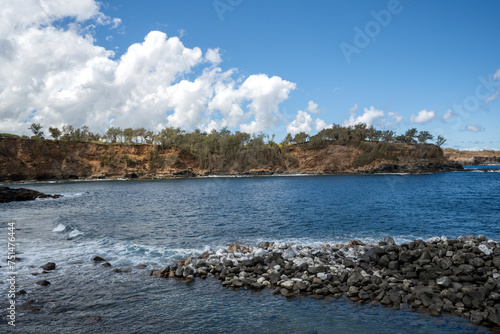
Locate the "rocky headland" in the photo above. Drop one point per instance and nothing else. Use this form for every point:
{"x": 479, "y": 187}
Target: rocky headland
{"x": 11, "y": 195}
{"x": 440, "y": 275}
{"x": 473, "y": 158}
{"x": 38, "y": 160}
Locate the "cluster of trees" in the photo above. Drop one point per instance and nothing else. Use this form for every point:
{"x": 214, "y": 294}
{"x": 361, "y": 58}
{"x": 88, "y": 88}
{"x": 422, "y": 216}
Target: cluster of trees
{"x": 214, "y": 150}
{"x": 68, "y": 132}
{"x": 362, "y": 132}
{"x": 176, "y": 137}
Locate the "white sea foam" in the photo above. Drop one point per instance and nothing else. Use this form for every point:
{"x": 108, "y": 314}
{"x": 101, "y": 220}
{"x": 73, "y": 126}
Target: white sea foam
{"x": 59, "y": 228}
{"x": 74, "y": 233}
{"x": 71, "y": 195}
{"x": 477, "y": 170}
{"x": 343, "y": 239}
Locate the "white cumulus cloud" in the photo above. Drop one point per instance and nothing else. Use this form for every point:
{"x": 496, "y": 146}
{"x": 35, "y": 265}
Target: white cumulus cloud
{"x": 474, "y": 128}
{"x": 393, "y": 121}
{"x": 422, "y": 117}
{"x": 312, "y": 107}
{"x": 58, "y": 75}
{"x": 320, "y": 124}
{"x": 213, "y": 56}
{"x": 371, "y": 116}
{"x": 302, "y": 123}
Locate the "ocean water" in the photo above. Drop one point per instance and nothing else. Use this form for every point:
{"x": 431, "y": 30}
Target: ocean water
{"x": 156, "y": 222}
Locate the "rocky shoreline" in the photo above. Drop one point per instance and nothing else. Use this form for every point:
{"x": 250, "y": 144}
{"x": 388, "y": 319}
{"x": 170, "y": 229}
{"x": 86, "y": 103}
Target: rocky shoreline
{"x": 187, "y": 173}
{"x": 440, "y": 275}
{"x": 11, "y": 195}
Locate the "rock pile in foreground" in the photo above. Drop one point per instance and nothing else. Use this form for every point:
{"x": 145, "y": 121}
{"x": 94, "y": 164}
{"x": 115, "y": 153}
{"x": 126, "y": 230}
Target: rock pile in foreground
{"x": 460, "y": 276}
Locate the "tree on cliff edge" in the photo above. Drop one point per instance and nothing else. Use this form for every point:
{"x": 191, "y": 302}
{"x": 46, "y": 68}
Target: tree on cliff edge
{"x": 424, "y": 136}
{"x": 36, "y": 129}
{"x": 55, "y": 133}
{"x": 440, "y": 141}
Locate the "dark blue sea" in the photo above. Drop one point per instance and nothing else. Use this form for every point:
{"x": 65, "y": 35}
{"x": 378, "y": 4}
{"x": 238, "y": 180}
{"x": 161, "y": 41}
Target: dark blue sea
{"x": 156, "y": 222}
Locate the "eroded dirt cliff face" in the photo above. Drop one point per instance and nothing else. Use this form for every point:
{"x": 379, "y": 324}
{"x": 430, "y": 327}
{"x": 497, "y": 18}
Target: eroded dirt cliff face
{"x": 41, "y": 160}
{"x": 329, "y": 159}
{"x": 22, "y": 159}
{"x": 370, "y": 157}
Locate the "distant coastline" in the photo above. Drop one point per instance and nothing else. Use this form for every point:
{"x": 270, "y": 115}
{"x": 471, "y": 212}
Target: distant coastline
{"x": 473, "y": 158}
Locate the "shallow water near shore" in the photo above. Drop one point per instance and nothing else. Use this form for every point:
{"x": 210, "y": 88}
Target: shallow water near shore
{"x": 157, "y": 222}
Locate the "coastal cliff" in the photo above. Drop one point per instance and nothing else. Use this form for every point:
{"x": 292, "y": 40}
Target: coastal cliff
{"x": 30, "y": 159}
{"x": 473, "y": 158}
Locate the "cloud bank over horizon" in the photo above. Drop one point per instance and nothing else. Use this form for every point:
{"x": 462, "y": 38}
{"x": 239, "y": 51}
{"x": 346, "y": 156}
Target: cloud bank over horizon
{"x": 71, "y": 62}
{"x": 57, "y": 75}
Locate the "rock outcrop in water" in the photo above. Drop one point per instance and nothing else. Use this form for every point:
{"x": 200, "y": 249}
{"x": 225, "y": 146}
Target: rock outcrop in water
{"x": 11, "y": 195}
{"x": 460, "y": 276}
{"x": 25, "y": 159}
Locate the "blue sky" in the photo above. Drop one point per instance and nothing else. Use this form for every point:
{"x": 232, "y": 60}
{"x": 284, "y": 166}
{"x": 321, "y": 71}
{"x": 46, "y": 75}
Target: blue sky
{"x": 420, "y": 61}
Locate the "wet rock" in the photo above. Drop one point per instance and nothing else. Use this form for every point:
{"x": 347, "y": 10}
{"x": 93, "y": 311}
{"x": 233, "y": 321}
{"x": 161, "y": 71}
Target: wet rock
{"x": 274, "y": 278}
{"x": 476, "y": 262}
{"x": 436, "y": 308}
{"x": 188, "y": 271}
{"x": 28, "y": 307}
{"x": 355, "y": 243}
{"x": 389, "y": 241}
{"x": 393, "y": 265}
{"x": 141, "y": 266}
{"x": 20, "y": 293}
{"x": 444, "y": 263}
{"x": 98, "y": 259}
{"x": 466, "y": 268}
{"x": 258, "y": 260}
{"x": 476, "y": 317}
{"x": 494, "y": 317}
{"x": 352, "y": 292}
{"x": 284, "y": 292}
{"x": 354, "y": 279}
{"x": 348, "y": 263}
{"x": 395, "y": 297}
{"x": 256, "y": 286}
{"x": 313, "y": 270}
{"x": 444, "y": 281}
{"x": 485, "y": 249}
{"x": 12, "y": 195}
{"x": 49, "y": 266}
{"x": 43, "y": 283}
{"x": 236, "y": 283}
{"x": 496, "y": 262}
{"x": 384, "y": 261}
{"x": 323, "y": 276}
{"x": 300, "y": 286}
{"x": 289, "y": 253}
{"x": 165, "y": 271}
{"x": 405, "y": 257}
{"x": 92, "y": 320}
{"x": 155, "y": 273}
{"x": 106, "y": 264}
